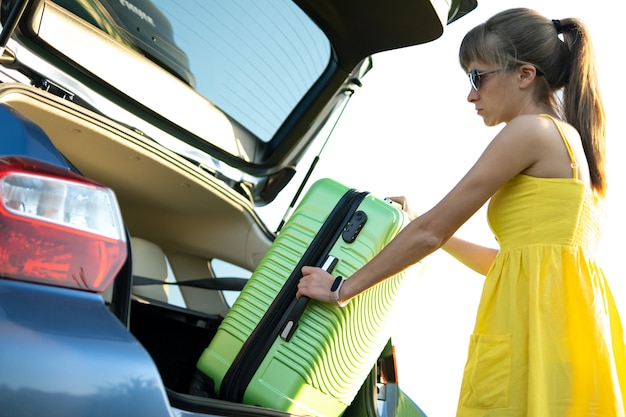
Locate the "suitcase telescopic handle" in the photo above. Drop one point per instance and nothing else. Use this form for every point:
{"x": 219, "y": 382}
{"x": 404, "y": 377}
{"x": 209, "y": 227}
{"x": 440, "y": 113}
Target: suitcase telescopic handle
{"x": 298, "y": 308}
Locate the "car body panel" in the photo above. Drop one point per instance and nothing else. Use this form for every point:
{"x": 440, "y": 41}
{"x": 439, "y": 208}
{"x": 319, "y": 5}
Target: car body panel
{"x": 97, "y": 367}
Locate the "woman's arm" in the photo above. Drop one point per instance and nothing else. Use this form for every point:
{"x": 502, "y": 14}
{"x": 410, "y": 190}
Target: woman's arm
{"x": 476, "y": 257}
{"x": 518, "y": 146}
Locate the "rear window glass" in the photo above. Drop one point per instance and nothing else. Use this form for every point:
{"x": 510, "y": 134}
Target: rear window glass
{"x": 253, "y": 60}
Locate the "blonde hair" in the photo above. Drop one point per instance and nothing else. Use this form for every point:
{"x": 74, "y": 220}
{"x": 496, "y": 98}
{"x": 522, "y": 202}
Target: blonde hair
{"x": 562, "y": 53}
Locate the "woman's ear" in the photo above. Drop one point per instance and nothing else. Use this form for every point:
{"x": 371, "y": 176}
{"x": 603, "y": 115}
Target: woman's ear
{"x": 526, "y": 74}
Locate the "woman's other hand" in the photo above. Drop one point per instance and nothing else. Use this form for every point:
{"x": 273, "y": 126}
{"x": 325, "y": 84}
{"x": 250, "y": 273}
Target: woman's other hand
{"x": 406, "y": 207}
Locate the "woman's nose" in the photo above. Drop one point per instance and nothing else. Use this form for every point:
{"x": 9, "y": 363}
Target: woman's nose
{"x": 472, "y": 96}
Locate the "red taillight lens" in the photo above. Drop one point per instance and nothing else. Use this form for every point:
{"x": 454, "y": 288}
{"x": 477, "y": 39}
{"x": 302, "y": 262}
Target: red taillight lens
{"x": 58, "y": 228}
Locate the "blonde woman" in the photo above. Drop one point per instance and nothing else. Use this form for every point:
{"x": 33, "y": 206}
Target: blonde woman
{"x": 548, "y": 339}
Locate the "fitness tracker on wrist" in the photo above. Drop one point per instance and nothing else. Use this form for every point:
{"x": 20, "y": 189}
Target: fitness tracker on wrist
{"x": 334, "y": 291}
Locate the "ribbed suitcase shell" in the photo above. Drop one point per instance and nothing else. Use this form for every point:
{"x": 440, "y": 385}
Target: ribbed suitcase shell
{"x": 321, "y": 368}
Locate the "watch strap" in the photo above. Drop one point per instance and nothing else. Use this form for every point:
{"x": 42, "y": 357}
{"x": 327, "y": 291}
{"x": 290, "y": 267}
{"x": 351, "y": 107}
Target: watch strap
{"x": 335, "y": 289}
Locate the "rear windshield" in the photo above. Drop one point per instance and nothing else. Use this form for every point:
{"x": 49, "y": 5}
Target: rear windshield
{"x": 254, "y": 60}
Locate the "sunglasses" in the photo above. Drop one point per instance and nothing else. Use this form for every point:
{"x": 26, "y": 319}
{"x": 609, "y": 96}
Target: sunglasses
{"x": 474, "y": 77}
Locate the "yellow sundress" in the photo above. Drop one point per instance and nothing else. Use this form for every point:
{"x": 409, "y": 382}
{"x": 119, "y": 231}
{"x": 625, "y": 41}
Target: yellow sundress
{"x": 548, "y": 341}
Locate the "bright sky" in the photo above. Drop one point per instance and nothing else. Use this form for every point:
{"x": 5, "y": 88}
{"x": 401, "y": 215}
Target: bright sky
{"x": 410, "y": 131}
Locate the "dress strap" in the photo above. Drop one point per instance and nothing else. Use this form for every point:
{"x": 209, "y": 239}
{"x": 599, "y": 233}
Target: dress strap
{"x": 570, "y": 151}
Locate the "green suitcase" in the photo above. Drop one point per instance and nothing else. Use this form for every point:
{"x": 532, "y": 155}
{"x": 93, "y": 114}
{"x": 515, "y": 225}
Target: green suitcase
{"x": 276, "y": 351}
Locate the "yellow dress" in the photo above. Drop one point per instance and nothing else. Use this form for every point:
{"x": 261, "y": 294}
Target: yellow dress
{"x": 548, "y": 341}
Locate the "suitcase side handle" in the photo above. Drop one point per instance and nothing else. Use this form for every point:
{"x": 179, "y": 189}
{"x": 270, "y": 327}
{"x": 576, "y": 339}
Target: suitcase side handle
{"x": 298, "y": 308}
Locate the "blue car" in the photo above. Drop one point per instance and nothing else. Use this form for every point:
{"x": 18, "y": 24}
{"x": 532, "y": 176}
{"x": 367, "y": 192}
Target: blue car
{"x": 138, "y": 139}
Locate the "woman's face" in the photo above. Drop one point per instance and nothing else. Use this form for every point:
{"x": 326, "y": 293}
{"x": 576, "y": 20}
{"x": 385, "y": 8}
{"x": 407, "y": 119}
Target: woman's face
{"x": 491, "y": 93}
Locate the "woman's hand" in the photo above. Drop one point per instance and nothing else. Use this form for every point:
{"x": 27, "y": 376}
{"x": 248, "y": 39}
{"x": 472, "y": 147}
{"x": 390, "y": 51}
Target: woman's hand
{"x": 315, "y": 283}
{"x": 401, "y": 200}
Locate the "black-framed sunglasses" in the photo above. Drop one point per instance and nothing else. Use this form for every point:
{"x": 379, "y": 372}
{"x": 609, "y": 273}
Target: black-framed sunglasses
{"x": 474, "y": 77}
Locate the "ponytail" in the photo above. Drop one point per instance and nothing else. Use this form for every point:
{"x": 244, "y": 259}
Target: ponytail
{"x": 582, "y": 105}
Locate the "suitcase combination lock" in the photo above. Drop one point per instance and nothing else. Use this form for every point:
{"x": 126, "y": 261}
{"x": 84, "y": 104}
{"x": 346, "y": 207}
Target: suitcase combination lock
{"x": 354, "y": 226}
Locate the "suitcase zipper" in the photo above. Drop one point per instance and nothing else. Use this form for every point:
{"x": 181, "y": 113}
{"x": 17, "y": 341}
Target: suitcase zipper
{"x": 255, "y": 348}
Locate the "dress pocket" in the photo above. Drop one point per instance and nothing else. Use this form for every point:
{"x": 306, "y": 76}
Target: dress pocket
{"x": 487, "y": 372}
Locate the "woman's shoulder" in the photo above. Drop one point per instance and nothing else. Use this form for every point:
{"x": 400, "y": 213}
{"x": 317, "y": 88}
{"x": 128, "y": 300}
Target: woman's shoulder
{"x": 542, "y": 139}
{"x": 536, "y": 128}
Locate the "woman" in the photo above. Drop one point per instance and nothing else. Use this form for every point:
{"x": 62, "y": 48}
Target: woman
{"x": 547, "y": 340}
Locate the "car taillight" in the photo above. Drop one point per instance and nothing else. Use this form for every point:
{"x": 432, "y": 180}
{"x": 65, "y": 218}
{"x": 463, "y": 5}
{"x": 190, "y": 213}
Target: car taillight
{"x": 58, "y": 228}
